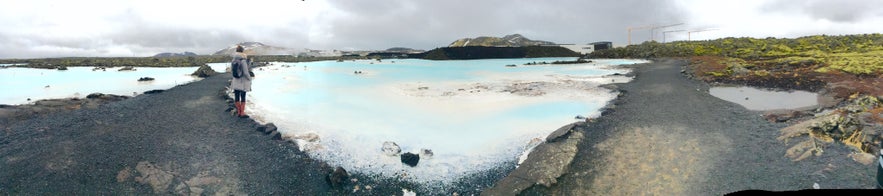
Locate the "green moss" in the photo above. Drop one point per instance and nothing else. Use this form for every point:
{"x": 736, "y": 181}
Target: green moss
{"x": 762, "y": 73}
{"x": 717, "y": 73}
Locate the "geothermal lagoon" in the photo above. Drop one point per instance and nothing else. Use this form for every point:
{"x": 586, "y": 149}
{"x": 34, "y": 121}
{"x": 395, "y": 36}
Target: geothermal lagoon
{"x": 473, "y": 115}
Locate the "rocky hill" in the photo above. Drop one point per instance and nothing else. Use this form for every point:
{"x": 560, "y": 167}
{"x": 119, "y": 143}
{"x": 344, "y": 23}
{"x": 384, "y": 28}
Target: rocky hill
{"x": 169, "y": 54}
{"x": 257, "y": 48}
{"x": 484, "y": 52}
{"x": 514, "y": 40}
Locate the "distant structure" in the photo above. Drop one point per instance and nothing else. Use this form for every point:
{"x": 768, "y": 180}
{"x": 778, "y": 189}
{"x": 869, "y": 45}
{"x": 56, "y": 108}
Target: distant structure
{"x": 581, "y": 49}
{"x": 602, "y": 45}
{"x": 587, "y": 48}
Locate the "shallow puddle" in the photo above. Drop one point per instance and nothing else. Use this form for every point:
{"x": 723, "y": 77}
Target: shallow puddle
{"x": 761, "y": 99}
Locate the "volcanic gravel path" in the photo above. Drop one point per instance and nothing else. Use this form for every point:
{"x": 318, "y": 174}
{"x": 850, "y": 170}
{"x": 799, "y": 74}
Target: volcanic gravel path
{"x": 179, "y": 141}
{"x": 668, "y": 136}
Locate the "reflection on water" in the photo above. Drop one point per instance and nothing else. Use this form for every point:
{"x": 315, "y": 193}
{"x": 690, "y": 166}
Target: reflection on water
{"x": 760, "y": 99}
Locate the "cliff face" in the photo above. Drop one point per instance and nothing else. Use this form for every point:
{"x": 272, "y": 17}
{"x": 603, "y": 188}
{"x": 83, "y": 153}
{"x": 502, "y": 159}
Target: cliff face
{"x": 483, "y": 52}
{"x": 514, "y": 40}
{"x": 169, "y": 54}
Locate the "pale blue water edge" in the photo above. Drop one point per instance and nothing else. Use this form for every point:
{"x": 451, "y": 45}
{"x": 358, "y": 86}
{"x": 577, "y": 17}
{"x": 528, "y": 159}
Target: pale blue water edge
{"x": 461, "y": 109}
{"x": 21, "y": 84}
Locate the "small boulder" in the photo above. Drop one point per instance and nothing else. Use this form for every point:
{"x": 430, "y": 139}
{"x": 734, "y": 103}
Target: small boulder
{"x": 275, "y": 135}
{"x": 94, "y": 95}
{"x": 426, "y": 153}
{"x": 391, "y": 149}
{"x": 204, "y": 71}
{"x": 560, "y": 132}
{"x": 267, "y": 129}
{"x": 338, "y": 177}
{"x": 410, "y": 159}
{"x": 144, "y": 79}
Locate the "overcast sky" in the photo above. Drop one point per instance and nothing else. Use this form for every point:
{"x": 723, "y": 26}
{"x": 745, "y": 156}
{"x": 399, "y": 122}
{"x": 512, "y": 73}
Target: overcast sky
{"x": 57, "y": 28}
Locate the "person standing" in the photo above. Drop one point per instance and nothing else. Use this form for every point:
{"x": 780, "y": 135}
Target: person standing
{"x": 241, "y": 84}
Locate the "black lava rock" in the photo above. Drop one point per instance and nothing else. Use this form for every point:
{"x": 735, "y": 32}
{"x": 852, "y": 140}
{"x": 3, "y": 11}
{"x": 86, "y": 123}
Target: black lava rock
{"x": 410, "y": 159}
{"x": 267, "y": 129}
{"x": 338, "y": 177}
{"x": 153, "y": 91}
{"x": 94, "y": 95}
{"x": 276, "y": 135}
{"x": 204, "y": 71}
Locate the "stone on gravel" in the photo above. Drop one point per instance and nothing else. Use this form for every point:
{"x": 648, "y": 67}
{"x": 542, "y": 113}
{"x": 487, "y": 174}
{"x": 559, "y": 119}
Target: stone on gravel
{"x": 158, "y": 179}
{"x": 124, "y": 174}
{"x": 563, "y": 131}
{"x": 267, "y": 129}
{"x": 391, "y": 148}
{"x": 410, "y": 159}
{"x": 863, "y": 158}
{"x": 275, "y": 135}
{"x": 204, "y": 71}
{"x": 338, "y": 177}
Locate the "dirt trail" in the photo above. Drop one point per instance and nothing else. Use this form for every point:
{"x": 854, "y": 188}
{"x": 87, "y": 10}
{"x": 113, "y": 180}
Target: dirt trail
{"x": 668, "y": 136}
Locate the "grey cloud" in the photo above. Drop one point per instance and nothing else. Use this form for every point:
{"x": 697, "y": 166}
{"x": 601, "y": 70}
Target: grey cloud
{"x": 837, "y": 11}
{"x": 437, "y": 23}
{"x": 370, "y": 25}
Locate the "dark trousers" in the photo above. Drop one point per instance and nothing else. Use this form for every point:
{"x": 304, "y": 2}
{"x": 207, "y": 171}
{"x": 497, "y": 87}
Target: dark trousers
{"x": 239, "y": 95}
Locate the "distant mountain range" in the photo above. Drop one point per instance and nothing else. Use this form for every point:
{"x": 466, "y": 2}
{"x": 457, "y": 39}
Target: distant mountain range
{"x": 169, "y": 54}
{"x": 514, "y": 40}
{"x": 257, "y": 48}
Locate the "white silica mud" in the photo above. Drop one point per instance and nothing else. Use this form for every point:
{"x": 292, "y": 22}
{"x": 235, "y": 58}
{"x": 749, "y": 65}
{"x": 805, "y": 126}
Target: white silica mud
{"x": 763, "y": 99}
{"x": 473, "y": 115}
{"x": 21, "y": 84}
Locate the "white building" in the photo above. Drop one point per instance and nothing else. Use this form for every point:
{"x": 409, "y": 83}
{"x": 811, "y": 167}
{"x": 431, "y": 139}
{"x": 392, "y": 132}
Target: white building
{"x": 581, "y": 49}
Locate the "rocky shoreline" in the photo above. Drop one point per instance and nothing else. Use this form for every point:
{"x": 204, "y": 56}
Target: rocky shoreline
{"x": 11, "y": 113}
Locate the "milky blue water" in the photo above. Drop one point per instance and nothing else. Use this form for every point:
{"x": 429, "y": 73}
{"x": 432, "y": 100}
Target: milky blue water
{"x": 21, "y": 84}
{"x": 462, "y": 110}
{"x": 473, "y": 114}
